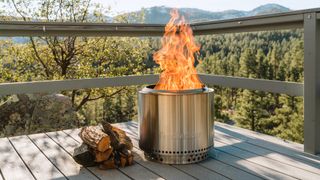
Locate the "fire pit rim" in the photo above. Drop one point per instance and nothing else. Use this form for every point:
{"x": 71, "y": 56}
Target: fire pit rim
{"x": 150, "y": 90}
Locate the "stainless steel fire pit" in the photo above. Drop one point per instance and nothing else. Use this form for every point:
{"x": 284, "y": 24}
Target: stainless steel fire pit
{"x": 176, "y": 127}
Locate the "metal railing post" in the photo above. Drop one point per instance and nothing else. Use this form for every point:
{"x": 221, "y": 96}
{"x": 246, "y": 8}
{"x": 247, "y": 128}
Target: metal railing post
{"x": 311, "y": 83}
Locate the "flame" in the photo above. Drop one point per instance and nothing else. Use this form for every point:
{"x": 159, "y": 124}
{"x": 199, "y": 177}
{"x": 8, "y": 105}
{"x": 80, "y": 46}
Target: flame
{"x": 176, "y": 57}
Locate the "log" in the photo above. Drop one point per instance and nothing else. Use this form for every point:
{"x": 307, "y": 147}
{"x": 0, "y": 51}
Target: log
{"x": 103, "y": 156}
{"x": 109, "y": 164}
{"x": 123, "y": 161}
{"x": 130, "y": 160}
{"x": 107, "y": 128}
{"x": 106, "y": 146}
{"x": 95, "y": 138}
{"x": 126, "y": 158}
{"x": 83, "y": 155}
{"x": 118, "y": 136}
{"x": 123, "y": 138}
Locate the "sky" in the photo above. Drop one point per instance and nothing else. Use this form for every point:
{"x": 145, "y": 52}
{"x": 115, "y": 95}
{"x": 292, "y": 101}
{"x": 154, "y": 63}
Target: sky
{"x": 120, "y": 6}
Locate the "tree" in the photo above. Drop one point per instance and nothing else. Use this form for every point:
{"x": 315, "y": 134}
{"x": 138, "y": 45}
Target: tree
{"x": 274, "y": 55}
{"x": 248, "y": 64}
{"x": 75, "y": 57}
{"x": 250, "y": 111}
{"x": 54, "y": 57}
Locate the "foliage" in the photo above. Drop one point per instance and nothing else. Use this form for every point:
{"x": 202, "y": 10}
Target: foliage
{"x": 274, "y": 55}
{"x": 57, "y": 58}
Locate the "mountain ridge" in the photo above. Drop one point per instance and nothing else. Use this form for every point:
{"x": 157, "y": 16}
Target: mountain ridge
{"x": 161, "y": 14}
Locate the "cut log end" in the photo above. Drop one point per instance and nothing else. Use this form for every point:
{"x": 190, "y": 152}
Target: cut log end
{"x": 104, "y": 144}
{"x": 103, "y": 156}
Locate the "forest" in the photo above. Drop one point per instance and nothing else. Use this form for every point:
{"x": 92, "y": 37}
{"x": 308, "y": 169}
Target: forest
{"x": 274, "y": 55}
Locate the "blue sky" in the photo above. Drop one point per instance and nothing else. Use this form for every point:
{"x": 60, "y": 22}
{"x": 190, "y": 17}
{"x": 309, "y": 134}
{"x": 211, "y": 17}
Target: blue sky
{"x": 119, "y": 6}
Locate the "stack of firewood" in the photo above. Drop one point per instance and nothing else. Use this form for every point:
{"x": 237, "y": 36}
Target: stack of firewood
{"x": 107, "y": 146}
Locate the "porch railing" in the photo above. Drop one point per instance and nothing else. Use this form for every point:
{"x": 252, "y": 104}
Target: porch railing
{"x": 309, "y": 20}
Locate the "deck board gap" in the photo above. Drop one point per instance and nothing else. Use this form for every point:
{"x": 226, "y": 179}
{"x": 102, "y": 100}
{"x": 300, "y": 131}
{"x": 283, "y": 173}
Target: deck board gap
{"x": 71, "y": 155}
{"x": 236, "y": 167}
{"x": 257, "y": 163}
{"x": 47, "y": 157}
{"x": 213, "y": 170}
{"x": 309, "y": 163}
{"x": 274, "y": 159}
{"x": 1, "y": 176}
{"x": 286, "y": 165}
{"x": 125, "y": 174}
{"x": 22, "y": 159}
{"x": 184, "y": 172}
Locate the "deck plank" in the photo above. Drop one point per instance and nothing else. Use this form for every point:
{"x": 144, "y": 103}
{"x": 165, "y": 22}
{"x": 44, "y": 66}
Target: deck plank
{"x": 255, "y": 135}
{"x": 266, "y": 162}
{"x": 288, "y": 160}
{"x": 246, "y": 166}
{"x": 250, "y": 167}
{"x": 165, "y": 171}
{"x": 69, "y": 144}
{"x": 39, "y": 165}
{"x": 199, "y": 172}
{"x": 227, "y": 170}
{"x": 138, "y": 172}
{"x": 268, "y": 142}
{"x": 11, "y": 165}
{"x": 60, "y": 158}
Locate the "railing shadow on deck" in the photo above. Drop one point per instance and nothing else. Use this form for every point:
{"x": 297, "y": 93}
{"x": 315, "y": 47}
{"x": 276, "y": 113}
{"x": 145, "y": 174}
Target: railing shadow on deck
{"x": 309, "y": 158}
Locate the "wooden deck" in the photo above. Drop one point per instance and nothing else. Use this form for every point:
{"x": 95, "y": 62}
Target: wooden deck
{"x": 238, "y": 154}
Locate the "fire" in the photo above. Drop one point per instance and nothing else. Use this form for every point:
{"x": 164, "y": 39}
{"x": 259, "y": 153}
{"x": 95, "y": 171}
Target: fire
{"x": 176, "y": 57}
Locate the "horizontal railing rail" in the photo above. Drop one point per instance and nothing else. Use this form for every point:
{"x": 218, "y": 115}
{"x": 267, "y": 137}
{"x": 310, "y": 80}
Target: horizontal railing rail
{"x": 290, "y": 88}
{"x": 278, "y": 21}
{"x": 308, "y": 20}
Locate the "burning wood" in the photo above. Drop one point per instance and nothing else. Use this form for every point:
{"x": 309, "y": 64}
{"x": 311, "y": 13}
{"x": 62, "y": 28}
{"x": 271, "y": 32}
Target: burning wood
{"x": 109, "y": 147}
{"x": 176, "y": 56}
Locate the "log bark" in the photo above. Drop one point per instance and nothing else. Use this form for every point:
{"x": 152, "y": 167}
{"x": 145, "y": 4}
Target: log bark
{"x": 119, "y": 139}
{"x": 95, "y": 138}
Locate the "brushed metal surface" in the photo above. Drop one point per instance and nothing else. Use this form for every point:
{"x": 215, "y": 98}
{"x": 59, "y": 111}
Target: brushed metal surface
{"x": 176, "y": 127}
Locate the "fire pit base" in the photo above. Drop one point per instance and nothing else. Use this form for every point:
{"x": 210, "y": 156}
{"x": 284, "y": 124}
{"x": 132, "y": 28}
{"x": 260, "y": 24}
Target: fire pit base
{"x": 178, "y": 157}
{"x": 176, "y": 127}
